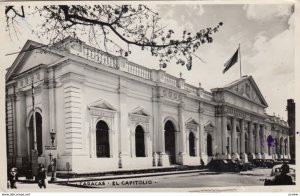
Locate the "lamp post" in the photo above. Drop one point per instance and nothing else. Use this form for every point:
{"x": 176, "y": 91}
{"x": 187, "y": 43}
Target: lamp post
{"x": 52, "y": 136}
{"x": 53, "y": 161}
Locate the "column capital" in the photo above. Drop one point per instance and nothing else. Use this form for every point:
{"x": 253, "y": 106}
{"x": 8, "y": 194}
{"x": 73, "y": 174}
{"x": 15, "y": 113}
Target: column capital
{"x": 181, "y": 105}
{"x": 20, "y": 93}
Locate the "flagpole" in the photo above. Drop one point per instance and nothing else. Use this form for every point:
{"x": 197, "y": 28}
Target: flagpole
{"x": 240, "y": 61}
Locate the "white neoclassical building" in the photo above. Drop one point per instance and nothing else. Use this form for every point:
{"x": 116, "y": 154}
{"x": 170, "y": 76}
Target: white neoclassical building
{"x": 107, "y": 113}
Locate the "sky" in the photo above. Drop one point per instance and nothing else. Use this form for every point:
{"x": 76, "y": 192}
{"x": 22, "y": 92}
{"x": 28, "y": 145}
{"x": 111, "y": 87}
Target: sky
{"x": 265, "y": 34}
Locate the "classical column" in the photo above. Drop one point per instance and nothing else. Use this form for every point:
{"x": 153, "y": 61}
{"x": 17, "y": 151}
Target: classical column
{"x": 251, "y": 139}
{"x": 123, "y": 124}
{"x": 288, "y": 148}
{"x": 258, "y": 141}
{"x": 163, "y": 159}
{"x": 202, "y": 138}
{"x": 197, "y": 151}
{"x": 233, "y": 140}
{"x": 242, "y": 143}
{"x": 147, "y": 144}
{"x": 45, "y": 116}
{"x": 264, "y": 143}
{"x": 20, "y": 112}
{"x": 224, "y": 137}
{"x": 132, "y": 137}
{"x": 111, "y": 142}
{"x": 183, "y": 137}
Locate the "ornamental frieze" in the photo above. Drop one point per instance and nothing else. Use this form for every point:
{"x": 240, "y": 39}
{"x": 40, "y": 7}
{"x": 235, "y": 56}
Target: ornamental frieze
{"x": 191, "y": 126}
{"x": 232, "y": 111}
{"x": 139, "y": 118}
{"x": 29, "y": 79}
{"x": 171, "y": 94}
{"x": 102, "y": 113}
{"x": 238, "y": 113}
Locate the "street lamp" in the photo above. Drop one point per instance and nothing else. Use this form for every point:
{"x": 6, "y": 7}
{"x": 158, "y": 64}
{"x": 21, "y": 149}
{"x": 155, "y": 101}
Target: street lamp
{"x": 52, "y": 161}
{"x": 52, "y": 135}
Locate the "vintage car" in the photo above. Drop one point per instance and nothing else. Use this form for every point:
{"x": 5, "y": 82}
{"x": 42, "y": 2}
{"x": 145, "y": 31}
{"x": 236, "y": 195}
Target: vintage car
{"x": 259, "y": 162}
{"x": 276, "y": 170}
{"x": 223, "y": 165}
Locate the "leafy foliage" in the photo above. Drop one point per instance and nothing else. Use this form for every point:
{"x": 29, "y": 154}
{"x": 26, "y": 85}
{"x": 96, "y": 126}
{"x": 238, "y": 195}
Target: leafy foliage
{"x": 116, "y": 28}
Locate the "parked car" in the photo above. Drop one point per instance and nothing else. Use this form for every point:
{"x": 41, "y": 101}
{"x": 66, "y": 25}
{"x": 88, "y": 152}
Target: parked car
{"x": 223, "y": 165}
{"x": 244, "y": 166}
{"x": 269, "y": 163}
{"x": 276, "y": 170}
{"x": 259, "y": 162}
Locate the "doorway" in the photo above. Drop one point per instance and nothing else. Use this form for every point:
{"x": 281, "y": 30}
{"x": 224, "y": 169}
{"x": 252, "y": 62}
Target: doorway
{"x": 170, "y": 142}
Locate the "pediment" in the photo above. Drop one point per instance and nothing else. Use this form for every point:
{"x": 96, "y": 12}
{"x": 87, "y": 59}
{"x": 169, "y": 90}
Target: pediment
{"x": 247, "y": 88}
{"x": 192, "y": 121}
{"x": 140, "y": 111}
{"x": 208, "y": 124}
{"x": 101, "y": 104}
{"x": 33, "y": 54}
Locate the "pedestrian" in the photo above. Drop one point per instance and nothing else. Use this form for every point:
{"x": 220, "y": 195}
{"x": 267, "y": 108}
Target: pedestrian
{"x": 12, "y": 177}
{"x": 42, "y": 176}
{"x": 283, "y": 178}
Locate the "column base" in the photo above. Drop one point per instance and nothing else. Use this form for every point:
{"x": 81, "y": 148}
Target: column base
{"x": 181, "y": 158}
{"x": 258, "y": 156}
{"x": 266, "y": 156}
{"x": 287, "y": 156}
{"x": 204, "y": 158}
{"x": 225, "y": 156}
{"x": 251, "y": 156}
{"x": 275, "y": 156}
{"x": 155, "y": 159}
{"x": 235, "y": 156}
{"x": 163, "y": 159}
{"x": 122, "y": 160}
{"x": 244, "y": 157}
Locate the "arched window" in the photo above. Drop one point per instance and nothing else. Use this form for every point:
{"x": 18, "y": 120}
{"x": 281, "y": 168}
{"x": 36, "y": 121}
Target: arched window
{"x": 139, "y": 142}
{"x": 39, "y": 133}
{"x": 192, "y": 144}
{"x": 209, "y": 145}
{"x": 102, "y": 139}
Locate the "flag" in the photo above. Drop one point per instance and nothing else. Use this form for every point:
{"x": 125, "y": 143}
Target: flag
{"x": 231, "y": 61}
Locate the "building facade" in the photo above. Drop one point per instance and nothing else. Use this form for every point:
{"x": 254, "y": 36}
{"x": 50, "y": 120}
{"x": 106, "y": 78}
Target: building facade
{"x": 104, "y": 113}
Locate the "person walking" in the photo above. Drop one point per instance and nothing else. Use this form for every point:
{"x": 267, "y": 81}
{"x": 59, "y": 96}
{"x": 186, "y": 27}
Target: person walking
{"x": 12, "y": 177}
{"x": 42, "y": 176}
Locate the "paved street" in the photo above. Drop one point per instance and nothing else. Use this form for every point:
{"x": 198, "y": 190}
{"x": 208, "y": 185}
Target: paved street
{"x": 190, "y": 180}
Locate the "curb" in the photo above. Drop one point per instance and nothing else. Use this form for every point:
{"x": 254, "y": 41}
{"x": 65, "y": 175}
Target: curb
{"x": 103, "y": 178}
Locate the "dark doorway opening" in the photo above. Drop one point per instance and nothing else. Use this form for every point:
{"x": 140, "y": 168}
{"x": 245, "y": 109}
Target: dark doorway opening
{"x": 139, "y": 142}
{"x": 102, "y": 139}
{"x": 192, "y": 144}
{"x": 170, "y": 141}
{"x": 209, "y": 145}
{"x": 39, "y": 133}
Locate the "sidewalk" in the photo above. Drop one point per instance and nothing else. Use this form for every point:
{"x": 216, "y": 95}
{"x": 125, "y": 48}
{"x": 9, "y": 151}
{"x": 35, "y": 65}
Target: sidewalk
{"x": 124, "y": 176}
